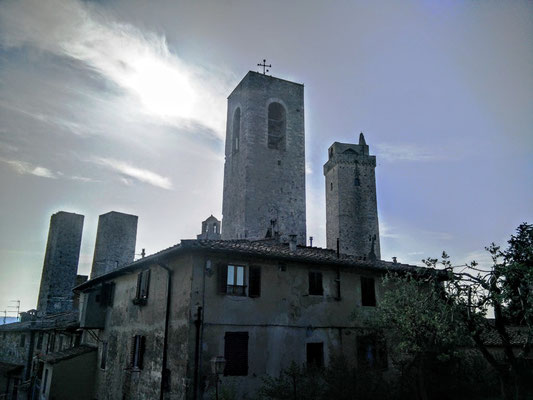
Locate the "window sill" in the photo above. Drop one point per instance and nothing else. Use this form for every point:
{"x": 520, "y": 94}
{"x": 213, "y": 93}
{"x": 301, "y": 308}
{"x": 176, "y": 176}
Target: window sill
{"x": 140, "y": 302}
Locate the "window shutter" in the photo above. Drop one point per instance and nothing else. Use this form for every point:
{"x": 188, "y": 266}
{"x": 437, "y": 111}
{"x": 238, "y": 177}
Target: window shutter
{"x": 254, "y": 289}
{"x": 145, "y": 284}
{"x": 222, "y": 278}
{"x": 142, "y": 342}
{"x": 236, "y": 353}
{"x": 132, "y": 351}
{"x": 139, "y": 284}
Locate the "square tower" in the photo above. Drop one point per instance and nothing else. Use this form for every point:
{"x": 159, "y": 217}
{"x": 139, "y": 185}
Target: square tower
{"x": 351, "y": 205}
{"x": 264, "y": 170}
{"x": 115, "y": 242}
{"x": 60, "y": 263}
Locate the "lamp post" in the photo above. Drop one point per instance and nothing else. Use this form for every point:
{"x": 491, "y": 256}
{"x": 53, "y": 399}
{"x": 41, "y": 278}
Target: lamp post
{"x": 218, "y": 364}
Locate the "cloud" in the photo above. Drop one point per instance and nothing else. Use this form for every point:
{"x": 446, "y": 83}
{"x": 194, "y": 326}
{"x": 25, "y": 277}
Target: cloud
{"x": 141, "y": 175}
{"x": 387, "y": 231}
{"x": 140, "y": 64}
{"x": 25, "y": 168}
{"x": 404, "y": 152}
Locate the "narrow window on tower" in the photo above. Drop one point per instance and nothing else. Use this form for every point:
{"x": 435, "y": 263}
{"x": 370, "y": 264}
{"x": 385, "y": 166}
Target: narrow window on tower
{"x": 236, "y": 130}
{"x": 277, "y": 122}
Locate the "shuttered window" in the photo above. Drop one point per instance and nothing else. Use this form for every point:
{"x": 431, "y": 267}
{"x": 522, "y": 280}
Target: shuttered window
{"x": 315, "y": 284}
{"x": 236, "y": 353}
{"x": 107, "y": 294}
{"x": 368, "y": 292}
{"x": 315, "y": 354}
{"x": 143, "y": 284}
{"x": 254, "y": 289}
{"x": 137, "y": 351}
{"x": 103, "y": 356}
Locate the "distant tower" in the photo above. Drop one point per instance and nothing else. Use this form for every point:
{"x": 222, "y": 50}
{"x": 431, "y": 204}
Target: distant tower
{"x": 210, "y": 229}
{"x": 264, "y": 172}
{"x": 60, "y": 263}
{"x": 351, "y": 205}
{"x": 115, "y": 242}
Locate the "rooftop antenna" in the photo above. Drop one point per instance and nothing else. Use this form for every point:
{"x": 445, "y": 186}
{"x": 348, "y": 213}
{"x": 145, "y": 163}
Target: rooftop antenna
{"x": 17, "y": 306}
{"x": 265, "y": 66}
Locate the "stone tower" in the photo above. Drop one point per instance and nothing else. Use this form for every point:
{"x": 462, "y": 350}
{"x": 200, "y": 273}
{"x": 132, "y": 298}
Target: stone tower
{"x": 210, "y": 229}
{"x": 264, "y": 172}
{"x": 60, "y": 263}
{"x": 115, "y": 242}
{"x": 351, "y": 205}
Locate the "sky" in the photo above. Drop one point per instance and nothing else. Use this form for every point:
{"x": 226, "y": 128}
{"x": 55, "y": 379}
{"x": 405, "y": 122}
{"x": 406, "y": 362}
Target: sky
{"x": 121, "y": 105}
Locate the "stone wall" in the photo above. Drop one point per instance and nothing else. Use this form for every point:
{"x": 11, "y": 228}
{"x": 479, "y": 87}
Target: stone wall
{"x": 60, "y": 263}
{"x": 263, "y": 184}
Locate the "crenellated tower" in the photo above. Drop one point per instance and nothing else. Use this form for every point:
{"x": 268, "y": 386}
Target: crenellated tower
{"x": 351, "y": 204}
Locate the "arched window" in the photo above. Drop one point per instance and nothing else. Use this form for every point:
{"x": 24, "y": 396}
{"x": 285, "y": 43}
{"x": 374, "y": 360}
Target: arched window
{"x": 236, "y": 130}
{"x": 277, "y": 123}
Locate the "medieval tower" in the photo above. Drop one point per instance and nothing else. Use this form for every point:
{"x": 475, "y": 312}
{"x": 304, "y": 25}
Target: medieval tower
{"x": 264, "y": 171}
{"x": 351, "y": 206}
{"x": 115, "y": 242}
{"x": 60, "y": 263}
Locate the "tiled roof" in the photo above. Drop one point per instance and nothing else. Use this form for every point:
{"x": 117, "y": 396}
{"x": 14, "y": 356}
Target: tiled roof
{"x": 268, "y": 248}
{"x": 54, "y": 321}
{"x": 66, "y": 354}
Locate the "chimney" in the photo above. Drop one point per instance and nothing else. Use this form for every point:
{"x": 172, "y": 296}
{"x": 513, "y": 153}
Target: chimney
{"x": 115, "y": 242}
{"x": 292, "y": 242}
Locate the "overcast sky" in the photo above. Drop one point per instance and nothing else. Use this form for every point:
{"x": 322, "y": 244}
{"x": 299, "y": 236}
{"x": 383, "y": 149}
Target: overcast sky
{"x": 121, "y": 105}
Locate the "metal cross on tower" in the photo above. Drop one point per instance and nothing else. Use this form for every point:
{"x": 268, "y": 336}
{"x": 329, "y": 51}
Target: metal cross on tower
{"x": 265, "y": 66}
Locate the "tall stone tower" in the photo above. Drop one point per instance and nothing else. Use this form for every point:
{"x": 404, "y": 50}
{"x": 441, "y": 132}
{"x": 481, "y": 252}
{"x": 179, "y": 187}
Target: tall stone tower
{"x": 115, "y": 242}
{"x": 60, "y": 263}
{"x": 351, "y": 205}
{"x": 264, "y": 172}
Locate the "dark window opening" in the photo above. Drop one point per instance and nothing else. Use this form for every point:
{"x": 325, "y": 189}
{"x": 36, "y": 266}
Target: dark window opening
{"x": 236, "y": 353}
{"x": 137, "y": 351}
{"x": 331, "y": 186}
{"x": 108, "y": 291}
{"x": 60, "y": 344}
{"x": 276, "y": 126}
{"x": 371, "y": 352}
{"x": 236, "y": 130}
{"x": 143, "y": 284}
{"x": 368, "y": 292}
{"x": 315, "y": 284}
{"x": 22, "y": 340}
{"x": 356, "y": 181}
{"x": 315, "y": 355}
{"x": 103, "y": 357}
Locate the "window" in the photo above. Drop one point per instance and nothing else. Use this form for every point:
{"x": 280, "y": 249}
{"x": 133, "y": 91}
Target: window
{"x": 137, "y": 351}
{"x": 45, "y": 380}
{"x": 276, "y": 126}
{"x": 51, "y": 342}
{"x": 356, "y": 181}
{"x": 22, "y": 340}
{"x": 103, "y": 355}
{"x": 371, "y": 352}
{"x": 331, "y": 186}
{"x": 236, "y": 130}
{"x": 60, "y": 344}
{"x": 368, "y": 292}
{"x": 236, "y": 353}
{"x": 107, "y": 294}
{"x": 315, "y": 284}
{"x": 143, "y": 283}
{"x": 215, "y": 228}
{"x": 40, "y": 341}
{"x": 232, "y": 280}
{"x": 315, "y": 354}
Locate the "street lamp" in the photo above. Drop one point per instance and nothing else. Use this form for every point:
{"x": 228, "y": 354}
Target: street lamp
{"x": 218, "y": 364}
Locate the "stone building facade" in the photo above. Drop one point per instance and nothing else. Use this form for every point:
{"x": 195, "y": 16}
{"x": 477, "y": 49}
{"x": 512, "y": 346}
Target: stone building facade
{"x": 259, "y": 304}
{"x": 351, "y": 204}
{"x": 264, "y": 171}
{"x": 60, "y": 263}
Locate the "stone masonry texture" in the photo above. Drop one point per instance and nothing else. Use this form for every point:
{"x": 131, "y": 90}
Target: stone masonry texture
{"x": 60, "y": 263}
{"x": 351, "y": 205}
{"x": 264, "y": 188}
{"x": 115, "y": 242}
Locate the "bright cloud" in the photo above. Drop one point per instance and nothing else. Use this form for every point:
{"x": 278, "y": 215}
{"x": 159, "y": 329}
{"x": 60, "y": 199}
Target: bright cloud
{"x": 404, "y": 152}
{"x": 25, "y": 168}
{"x": 139, "y": 174}
{"x": 139, "y": 63}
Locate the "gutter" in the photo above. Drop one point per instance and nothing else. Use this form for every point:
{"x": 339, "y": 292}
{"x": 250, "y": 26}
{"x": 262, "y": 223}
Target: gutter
{"x": 165, "y": 372}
